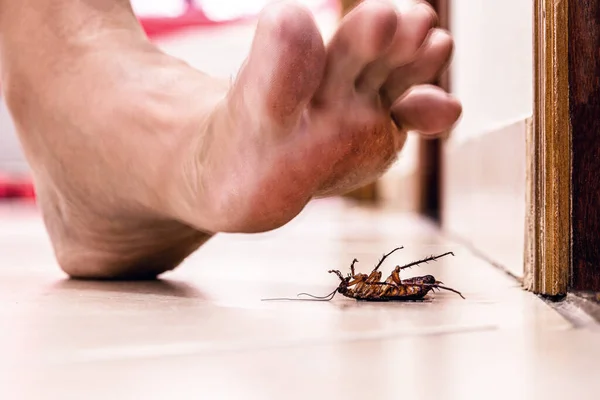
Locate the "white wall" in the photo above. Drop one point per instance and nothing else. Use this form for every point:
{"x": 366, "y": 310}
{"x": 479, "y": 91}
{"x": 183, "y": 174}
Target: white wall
{"x": 492, "y": 70}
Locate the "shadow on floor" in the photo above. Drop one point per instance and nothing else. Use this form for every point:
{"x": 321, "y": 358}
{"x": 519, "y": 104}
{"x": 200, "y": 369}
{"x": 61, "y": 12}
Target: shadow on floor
{"x": 161, "y": 287}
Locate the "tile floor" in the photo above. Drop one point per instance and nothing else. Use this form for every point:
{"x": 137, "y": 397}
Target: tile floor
{"x": 204, "y": 333}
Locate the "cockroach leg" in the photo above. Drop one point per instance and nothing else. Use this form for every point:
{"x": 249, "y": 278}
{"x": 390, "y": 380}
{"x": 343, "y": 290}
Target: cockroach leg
{"x": 436, "y": 286}
{"x": 358, "y": 278}
{"x": 425, "y": 260}
{"x": 338, "y": 273}
{"x": 386, "y": 256}
{"x": 383, "y": 284}
{"x": 352, "y": 267}
{"x": 450, "y": 289}
{"x": 374, "y": 277}
{"x": 396, "y": 276}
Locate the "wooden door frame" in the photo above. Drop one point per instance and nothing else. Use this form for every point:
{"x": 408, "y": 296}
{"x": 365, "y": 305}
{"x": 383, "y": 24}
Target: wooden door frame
{"x": 548, "y": 257}
{"x": 565, "y": 149}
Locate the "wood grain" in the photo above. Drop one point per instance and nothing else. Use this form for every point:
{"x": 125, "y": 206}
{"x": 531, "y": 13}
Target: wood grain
{"x": 584, "y": 98}
{"x": 531, "y": 253}
{"x": 549, "y": 150}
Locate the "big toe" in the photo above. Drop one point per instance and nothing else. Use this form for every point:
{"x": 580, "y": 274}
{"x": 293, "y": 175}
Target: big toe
{"x": 285, "y": 65}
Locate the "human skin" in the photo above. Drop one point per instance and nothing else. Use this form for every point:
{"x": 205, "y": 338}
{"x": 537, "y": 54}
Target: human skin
{"x": 138, "y": 159}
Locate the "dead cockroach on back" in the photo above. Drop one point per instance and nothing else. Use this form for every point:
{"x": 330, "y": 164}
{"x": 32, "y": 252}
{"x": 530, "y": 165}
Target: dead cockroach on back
{"x": 370, "y": 288}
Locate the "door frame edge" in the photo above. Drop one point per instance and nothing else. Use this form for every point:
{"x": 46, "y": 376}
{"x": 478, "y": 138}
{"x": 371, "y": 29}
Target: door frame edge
{"x": 548, "y": 252}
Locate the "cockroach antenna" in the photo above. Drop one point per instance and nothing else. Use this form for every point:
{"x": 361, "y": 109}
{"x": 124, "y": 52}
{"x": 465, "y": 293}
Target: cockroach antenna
{"x": 314, "y": 298}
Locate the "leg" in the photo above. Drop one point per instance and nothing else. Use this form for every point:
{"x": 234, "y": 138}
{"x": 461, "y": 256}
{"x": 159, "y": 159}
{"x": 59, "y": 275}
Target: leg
{"x": 374, "y": 276}
{"x": 382, "y": 284}
{"x": 425, "y": 260}
{"x": 139, "y": 159}
{"x": 386, "y": 256}
{"x": 352, "y": 267}
{"x": 395, "y": 277}
{"x": 338, "y": 273}
{"x": 435, "y": 286}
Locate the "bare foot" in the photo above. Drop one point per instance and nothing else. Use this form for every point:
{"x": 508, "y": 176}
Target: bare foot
{"x": 138, "y": 159}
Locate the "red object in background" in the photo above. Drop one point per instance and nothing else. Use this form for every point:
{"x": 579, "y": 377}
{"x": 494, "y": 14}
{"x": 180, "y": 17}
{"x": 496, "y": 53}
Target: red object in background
{"x": 3, "y": 187}
{"x": 16, "y": 188}
{"x": 193, "y": 17}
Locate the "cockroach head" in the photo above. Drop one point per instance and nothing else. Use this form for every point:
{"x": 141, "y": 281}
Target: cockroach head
{"x": 430, "y": 280}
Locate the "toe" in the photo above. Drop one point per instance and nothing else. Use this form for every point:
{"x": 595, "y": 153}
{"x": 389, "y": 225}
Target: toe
{"x": 412, "y": 30}
{"x": 363, "y": 36}
{"x": 429, "y": 64}
{"x": 284, "y": 68}
{"x": 426, "y": 109}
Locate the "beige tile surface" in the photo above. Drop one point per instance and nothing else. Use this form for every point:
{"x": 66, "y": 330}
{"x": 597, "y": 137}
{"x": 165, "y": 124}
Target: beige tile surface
{"x": 203, "y": 331}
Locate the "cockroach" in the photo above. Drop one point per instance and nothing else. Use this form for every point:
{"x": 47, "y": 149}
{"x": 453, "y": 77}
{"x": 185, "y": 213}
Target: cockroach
{"x": 365, "y": 287}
